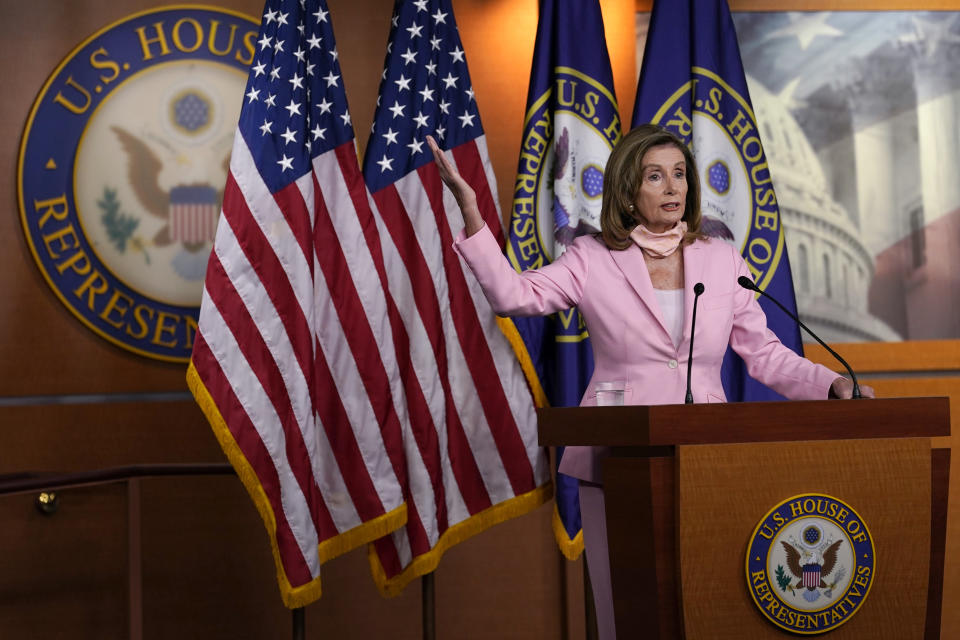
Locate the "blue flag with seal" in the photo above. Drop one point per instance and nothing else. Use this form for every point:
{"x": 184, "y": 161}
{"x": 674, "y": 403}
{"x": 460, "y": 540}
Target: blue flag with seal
{"x": 692, "y": 83}
{"x": 570, "y": 126}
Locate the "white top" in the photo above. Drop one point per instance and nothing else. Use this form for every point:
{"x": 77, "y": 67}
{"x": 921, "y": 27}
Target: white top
{"x": 671, "y": 309}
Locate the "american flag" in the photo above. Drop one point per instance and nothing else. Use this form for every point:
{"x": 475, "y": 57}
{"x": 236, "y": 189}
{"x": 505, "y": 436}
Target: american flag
{"x": 474, "y": 461}
{"x": 294, "y": 362}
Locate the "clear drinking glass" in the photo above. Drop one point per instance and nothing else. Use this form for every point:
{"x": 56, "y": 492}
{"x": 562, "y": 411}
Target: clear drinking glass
{"x": 609, "y": 394}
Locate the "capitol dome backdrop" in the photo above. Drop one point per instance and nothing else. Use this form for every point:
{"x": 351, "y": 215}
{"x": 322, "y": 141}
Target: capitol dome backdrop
{"x": 860, "y": 119}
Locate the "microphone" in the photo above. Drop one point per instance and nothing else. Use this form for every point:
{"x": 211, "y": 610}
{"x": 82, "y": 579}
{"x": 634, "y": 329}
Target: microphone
{"x": 697, "y": 291}
{"x": 747, "y": 283}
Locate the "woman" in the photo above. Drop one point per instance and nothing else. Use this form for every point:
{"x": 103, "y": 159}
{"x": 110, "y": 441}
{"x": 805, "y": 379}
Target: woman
{"x": 633, "y": 284}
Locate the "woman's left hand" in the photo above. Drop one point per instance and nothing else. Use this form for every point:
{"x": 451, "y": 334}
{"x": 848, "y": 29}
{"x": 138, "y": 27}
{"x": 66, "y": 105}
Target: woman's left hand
{"x": 843, "y": 388}
{"x": 462, "y": 191}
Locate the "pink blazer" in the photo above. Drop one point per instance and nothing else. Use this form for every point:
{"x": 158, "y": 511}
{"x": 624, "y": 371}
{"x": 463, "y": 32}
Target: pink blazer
{"x": 630, "y": 342}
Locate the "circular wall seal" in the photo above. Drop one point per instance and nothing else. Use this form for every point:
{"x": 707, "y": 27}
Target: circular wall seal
{"x": 810, "y": 564}
{"x": 122, "y": 166}
{"x": 569, "y": 132}
{"x": 738, "y": 203}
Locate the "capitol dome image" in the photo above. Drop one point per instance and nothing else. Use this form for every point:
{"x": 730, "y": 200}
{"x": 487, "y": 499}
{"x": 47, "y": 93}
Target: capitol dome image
{"x": 832, "y": 269}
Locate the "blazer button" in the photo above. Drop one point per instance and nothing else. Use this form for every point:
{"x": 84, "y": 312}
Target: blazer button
{"x": 672, "y": 364}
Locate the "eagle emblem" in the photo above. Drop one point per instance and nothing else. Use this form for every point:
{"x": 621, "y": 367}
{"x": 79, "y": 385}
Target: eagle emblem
{"x": 123, "y": 161}
{"x": 811, "y": 565}
{"x": 577, "y": 188}
{"x": 188, "y": 211}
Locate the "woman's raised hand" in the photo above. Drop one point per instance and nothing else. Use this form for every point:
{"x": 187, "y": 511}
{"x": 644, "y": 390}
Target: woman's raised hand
{"x": 463, "y": 192}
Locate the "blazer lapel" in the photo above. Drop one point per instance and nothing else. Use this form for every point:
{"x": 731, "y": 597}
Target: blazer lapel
{"x": 631, "y": 264}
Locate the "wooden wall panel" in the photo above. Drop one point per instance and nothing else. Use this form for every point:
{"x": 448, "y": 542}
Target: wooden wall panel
{"x": 45, "y": 351}
{"x": 207, "y": 561}
{"x": 885, "y": 481}
{"x": 64, "y": 575}
{"x": 207, "y": 567}
{"x": 918, "y": 368}
{"x": 82, "y": 437}
{"x": 481, "y": 585}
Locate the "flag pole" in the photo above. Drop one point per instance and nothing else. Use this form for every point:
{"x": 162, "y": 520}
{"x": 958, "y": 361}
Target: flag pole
{"x": 428, "y": 604}
{"x": 299, "y": 624}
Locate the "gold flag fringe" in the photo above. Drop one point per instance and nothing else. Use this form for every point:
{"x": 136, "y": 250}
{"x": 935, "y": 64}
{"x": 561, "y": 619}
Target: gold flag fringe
{"x": 456, "y": 534}
{"x": 301, "y": 595}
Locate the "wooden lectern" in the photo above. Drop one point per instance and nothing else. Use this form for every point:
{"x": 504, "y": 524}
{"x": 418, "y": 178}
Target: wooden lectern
{"x": 686, "y": 485}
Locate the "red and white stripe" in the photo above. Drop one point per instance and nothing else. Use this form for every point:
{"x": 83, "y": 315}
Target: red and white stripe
{"x": 297, "y": 352}
{"x": 194, "y": 223}
{"x": 474, "y": 440}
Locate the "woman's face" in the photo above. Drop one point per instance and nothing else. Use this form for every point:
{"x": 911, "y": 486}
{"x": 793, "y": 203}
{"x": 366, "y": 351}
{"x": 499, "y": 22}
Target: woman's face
{"x": 662, "y": 194}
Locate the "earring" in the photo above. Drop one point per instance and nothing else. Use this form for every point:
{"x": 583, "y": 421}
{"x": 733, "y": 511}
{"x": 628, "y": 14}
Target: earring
{"x": 631, "y": 207}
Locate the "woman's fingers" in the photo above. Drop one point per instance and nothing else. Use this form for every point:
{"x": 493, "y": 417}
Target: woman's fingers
{"x": 446, "y": 170}
{"x": 448, "y": 174}
{"x": 843, "y": 388}
{"x": 433, "y": 146}
{"x": 463, "y": 192}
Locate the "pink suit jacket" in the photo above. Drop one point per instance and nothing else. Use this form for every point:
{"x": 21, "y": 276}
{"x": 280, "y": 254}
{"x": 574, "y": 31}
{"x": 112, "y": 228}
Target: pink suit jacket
{"x": 630, "y": 341}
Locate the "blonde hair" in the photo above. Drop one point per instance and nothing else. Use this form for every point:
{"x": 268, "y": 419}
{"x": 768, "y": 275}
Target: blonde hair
{"x": 621, "y": 182}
